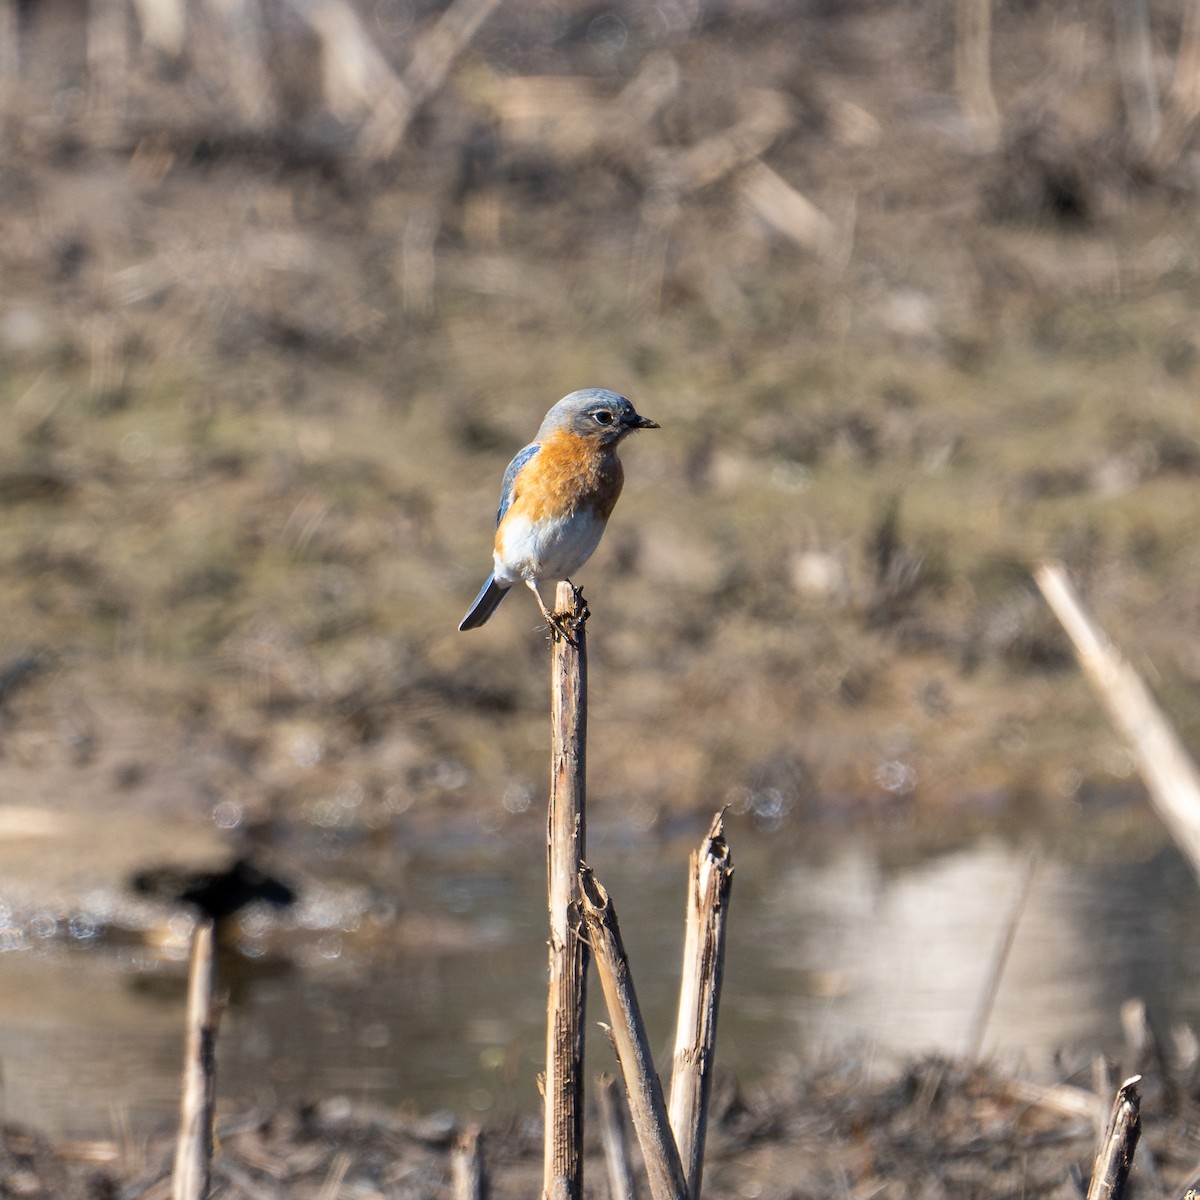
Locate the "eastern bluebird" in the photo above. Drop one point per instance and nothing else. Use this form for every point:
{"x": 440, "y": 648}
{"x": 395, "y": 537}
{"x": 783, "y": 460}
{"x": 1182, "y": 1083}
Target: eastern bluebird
{"x": 557, "y": 496}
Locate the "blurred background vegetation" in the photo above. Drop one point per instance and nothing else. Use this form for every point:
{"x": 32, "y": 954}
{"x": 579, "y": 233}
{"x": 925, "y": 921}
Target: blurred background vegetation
{"x": 911, "y": 287}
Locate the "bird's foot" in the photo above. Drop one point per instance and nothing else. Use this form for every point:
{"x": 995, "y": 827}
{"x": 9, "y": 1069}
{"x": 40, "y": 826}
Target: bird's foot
{"x": 562, "y": 629}
{"x": 567, "y": 624}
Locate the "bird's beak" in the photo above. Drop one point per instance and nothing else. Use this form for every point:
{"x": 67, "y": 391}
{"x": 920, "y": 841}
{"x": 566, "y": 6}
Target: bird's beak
{"x": 644, "y": 423}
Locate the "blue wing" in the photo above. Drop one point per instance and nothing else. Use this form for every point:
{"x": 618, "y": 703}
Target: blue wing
{"x": 509, "y": 486}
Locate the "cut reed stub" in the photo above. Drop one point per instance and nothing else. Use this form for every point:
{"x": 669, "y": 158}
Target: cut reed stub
{"x": 466, "y": 1165}
{"x": 710, "y": 882}
{"x": 1110, "y": 1173}
{"x": 193, "y": 1150}
{"x": 612, "y": 1136}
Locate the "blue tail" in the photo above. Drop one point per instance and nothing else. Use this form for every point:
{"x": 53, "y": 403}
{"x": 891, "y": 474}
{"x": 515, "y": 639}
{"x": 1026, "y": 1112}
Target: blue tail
{"x": 485, "y": 604}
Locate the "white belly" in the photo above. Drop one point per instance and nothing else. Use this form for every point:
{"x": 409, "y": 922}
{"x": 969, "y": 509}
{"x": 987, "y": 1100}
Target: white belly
{"x": 551, "y": 550}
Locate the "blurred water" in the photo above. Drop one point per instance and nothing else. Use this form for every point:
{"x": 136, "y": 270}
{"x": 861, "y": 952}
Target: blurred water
{"x": 841, "y": 956}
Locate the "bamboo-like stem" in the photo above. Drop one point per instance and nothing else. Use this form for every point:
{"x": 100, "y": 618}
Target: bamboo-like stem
{"x": 466, "y": 1166}
{"x": 1115, "y": 1156}
{"x": 647, "y": 1108}
{"x": 1167, "y": 769}
{"x": 612, "y": 1136}
{"x": 566, "y": 828}
{"x": 710, "y": 880}
{"x": 1008, "y": 934}
{"x": 193, "y": 1150}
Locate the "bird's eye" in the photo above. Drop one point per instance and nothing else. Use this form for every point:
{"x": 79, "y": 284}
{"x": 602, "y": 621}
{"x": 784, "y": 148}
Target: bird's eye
{"x": 602, "y": 416}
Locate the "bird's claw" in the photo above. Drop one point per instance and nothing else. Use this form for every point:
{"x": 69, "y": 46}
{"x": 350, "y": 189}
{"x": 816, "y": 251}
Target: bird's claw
{"x": 566, "y": 625}
{"x": 561, "y": 629}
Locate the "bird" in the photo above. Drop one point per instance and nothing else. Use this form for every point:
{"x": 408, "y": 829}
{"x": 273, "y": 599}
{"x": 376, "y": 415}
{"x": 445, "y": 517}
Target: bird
{"x": 557, "y": 495}
{"x": 216, "y": 893}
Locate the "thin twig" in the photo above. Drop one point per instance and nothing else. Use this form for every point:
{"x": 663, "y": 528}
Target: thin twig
{"x": 1008, "y": 934}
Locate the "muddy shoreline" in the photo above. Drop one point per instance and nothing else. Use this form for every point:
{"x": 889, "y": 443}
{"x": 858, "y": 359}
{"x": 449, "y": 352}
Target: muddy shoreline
{"x": 935, "y": 1128}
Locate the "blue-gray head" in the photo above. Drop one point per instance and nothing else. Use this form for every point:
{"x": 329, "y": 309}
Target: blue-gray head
{"x": 595, "y": 413}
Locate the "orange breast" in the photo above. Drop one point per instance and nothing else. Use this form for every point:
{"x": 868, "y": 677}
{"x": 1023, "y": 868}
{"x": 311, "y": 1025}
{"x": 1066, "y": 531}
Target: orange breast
{"x": 568, "y": 474}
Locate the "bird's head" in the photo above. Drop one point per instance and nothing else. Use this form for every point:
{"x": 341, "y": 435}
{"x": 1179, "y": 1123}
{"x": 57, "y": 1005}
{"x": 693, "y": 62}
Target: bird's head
{"x": 596, "y": 414}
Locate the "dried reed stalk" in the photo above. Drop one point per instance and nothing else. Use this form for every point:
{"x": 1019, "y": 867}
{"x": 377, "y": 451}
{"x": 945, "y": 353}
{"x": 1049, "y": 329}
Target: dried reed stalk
{"x": 10, "y": 58}
{"x": 787, "y": 211}
{"x": 664, "y": 1171}
{"x": 466, "y": 1166}
{"x": 973, "y": 70}
{"x": 434, "y": 55}
{"x": 193, "y": 1149}
{"x": 244, "y": 50}
{"x": 339, "y": 1168}
{"x": 1185, "y": 86}
{"x": 1008, "y": 934}
{"x": 356, "y": 76}
{"x": 673, "y": 174}
{"x": 710, "y": 880}
{"x": 1167, "y": 769}
{"x": 1135, "y": 70}
{"x": 163, "y": 25}
{"x": 1062, "y": 1098}
{"x": 767, "y": 115}
{"x": 566, "y": 829}
{"x": 612, "y": 1136}
{"x": 1115, "y": 1156}
{"x": 107, "y": 65}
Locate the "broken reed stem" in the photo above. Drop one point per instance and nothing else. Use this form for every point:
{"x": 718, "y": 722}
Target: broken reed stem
{"x": 646, "y": 1105}
{"x": 612, "y": 1136}
{"x": 1167, "y": 769}
{"x": 710, "y": 880}
{"x": 1008, "y": 935}
{"x": 1115, "y": 1156}
{"x": 193, "y": 1150}
{"x": 566, "y": 827}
